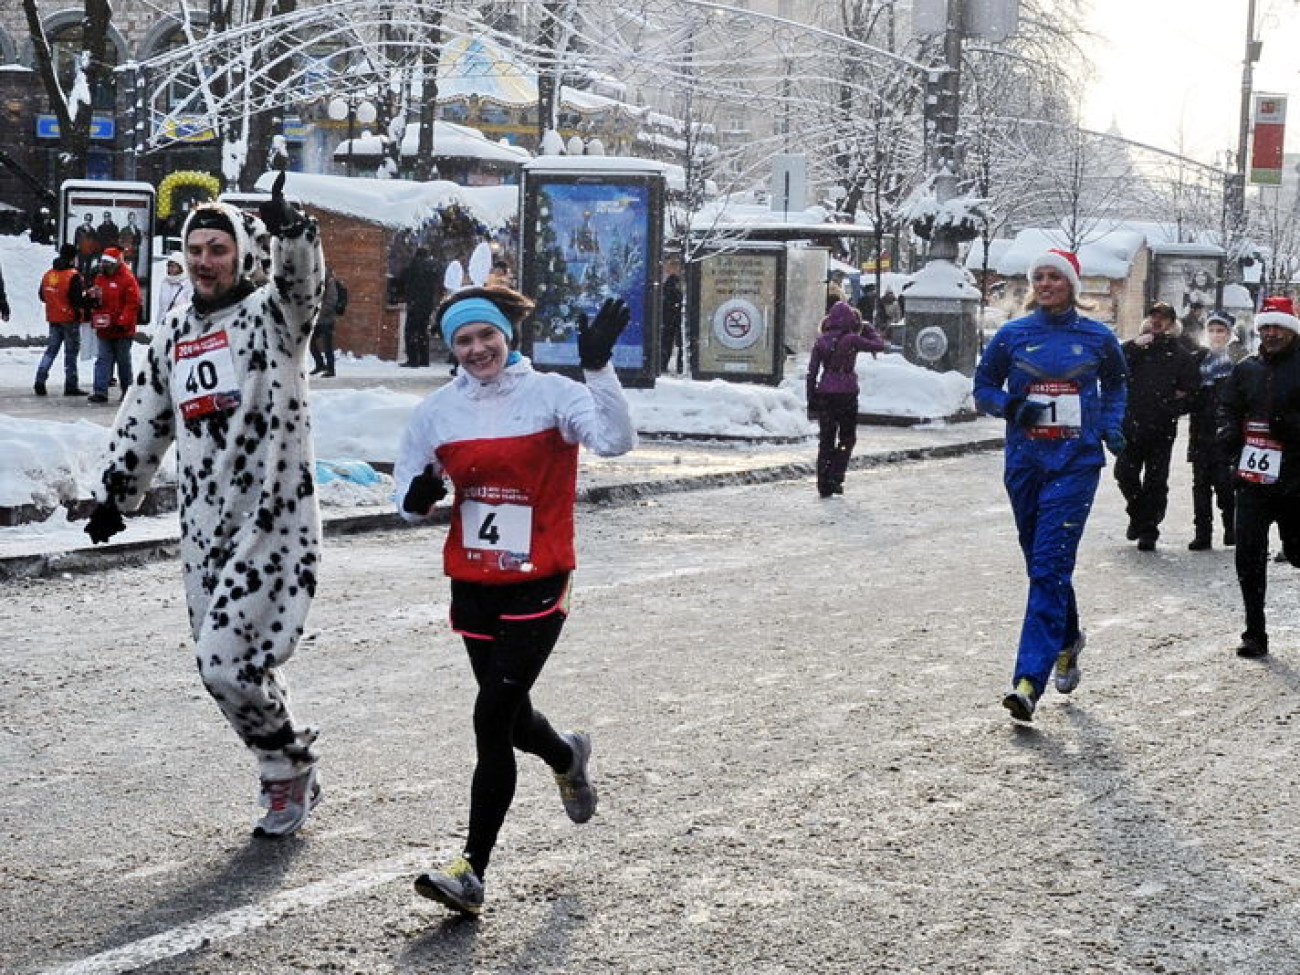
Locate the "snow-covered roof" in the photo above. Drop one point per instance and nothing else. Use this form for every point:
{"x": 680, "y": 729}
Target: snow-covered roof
{"x": 449, "y": 141}
{"x": 734, "y": 214}
{"x": 473, "y": 67}
{"x": 1109, "y": 253}
{"x": 398, "y": 203}
{"x": 602, "y": 164}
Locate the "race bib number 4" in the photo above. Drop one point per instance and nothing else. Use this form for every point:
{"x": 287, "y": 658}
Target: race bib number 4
{"x": 204, "y": 379}
{"x": 503, "y": 528}
{"x": 1261, "y": 457}
{"x": 1063, "y": 417}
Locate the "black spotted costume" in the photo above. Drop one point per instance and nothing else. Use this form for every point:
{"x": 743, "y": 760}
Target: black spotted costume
{"x": 228, "y": 387}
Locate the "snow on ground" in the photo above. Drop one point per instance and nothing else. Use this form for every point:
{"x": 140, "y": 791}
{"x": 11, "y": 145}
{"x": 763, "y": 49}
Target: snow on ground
{"x": 44, "y": 462}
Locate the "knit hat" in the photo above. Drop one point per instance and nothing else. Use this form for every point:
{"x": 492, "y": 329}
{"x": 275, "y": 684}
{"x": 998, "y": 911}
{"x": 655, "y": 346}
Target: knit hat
{"x": 1064, "y": 261}
{"x": 209, "y": 218}
{"x": 240, "y": 225}
{"x": 112, "y": 254}
{"x": 1278, "y": 311}
{"x": 470, "y": 310}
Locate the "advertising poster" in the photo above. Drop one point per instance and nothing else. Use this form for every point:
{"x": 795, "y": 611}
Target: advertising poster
{"x": 1187, "y": 281}
{"x": 95, "y": 215}
{"x": 1269, "y": 135}
{"x": 738, "y": 328}
{"x": 588, "y": 237}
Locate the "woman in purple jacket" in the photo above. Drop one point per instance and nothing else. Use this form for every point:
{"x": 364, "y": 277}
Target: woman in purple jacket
{"x": 833, "y": 391}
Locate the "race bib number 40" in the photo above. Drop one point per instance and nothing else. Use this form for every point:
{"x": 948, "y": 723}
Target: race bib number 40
{"x": 1261, "y": 457}
{"x": 204, "y": 379}
{"x": 1063, "y": 417}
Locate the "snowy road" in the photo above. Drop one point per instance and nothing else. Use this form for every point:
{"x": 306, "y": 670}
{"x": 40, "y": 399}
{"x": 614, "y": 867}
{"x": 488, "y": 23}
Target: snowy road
{"x": 802, "y": 761}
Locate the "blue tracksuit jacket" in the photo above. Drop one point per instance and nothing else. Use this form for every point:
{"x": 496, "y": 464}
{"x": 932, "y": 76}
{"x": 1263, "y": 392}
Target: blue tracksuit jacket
{"x": 1052, "y": 469}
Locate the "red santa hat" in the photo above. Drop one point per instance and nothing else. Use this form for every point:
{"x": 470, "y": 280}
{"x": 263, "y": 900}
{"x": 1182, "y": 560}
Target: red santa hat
{"x": 1279, "y": 311}
{"x": 112, "y": 254}
{"x": 1064, "y": 261}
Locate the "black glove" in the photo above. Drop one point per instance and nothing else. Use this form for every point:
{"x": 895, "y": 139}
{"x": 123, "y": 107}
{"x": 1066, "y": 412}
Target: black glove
{"x": 277, "y": 213}
{"x": 596, "y": 339}
{"x": 426, "y": 490}
{"x": 1024, "y": 412}
{"x": 105, "y": 522}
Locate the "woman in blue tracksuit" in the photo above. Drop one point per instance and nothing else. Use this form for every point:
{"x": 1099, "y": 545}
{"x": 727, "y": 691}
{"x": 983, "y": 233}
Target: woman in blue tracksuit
{"x": 1059, "y": 379}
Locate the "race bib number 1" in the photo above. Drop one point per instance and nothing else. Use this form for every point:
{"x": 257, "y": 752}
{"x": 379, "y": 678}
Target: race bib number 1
{"x": 1261, "y": 457}
{"x": 204, "y": 379}
{"x": 1063, "y": 417}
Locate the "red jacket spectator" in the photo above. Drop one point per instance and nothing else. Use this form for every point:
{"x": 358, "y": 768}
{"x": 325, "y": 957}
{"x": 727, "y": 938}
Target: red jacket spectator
{"x": 115, "y": 298}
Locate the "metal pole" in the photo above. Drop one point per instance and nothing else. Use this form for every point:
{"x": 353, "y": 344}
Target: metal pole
{"x": 1236, "y": 202}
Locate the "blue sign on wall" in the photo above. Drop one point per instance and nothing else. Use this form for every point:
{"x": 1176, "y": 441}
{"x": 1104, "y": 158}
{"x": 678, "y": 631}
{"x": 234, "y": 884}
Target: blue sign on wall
{"x": 102, "y": 127}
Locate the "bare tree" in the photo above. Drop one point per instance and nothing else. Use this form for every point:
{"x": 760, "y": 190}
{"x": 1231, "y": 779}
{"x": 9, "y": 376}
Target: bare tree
{"x": 73, "y": 107}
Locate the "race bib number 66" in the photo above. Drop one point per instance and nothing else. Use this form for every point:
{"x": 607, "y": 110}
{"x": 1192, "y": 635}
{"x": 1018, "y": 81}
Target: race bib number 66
{"x": 1261, "y": 456}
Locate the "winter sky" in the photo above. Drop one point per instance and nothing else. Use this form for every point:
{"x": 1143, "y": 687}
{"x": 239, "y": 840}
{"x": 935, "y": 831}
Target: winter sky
{"x": 1169, "y": 71}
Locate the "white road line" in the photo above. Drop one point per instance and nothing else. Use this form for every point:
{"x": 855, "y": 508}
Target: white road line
{"x": 231, "y": 924}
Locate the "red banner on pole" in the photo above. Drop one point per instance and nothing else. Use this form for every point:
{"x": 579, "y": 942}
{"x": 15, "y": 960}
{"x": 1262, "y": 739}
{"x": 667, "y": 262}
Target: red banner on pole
{"x": 1270, "y": 131}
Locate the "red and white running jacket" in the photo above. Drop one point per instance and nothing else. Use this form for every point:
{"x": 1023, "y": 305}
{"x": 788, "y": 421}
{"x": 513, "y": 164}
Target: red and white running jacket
{"x": 510, "y": 448}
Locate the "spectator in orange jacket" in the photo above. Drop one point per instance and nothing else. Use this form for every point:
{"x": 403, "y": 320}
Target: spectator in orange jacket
{"x": 61, "y": 292}
{"x": 115, "y": 304}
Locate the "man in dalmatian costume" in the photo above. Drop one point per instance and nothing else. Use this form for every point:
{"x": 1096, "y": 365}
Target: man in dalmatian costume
{"x": 224, "y": 380}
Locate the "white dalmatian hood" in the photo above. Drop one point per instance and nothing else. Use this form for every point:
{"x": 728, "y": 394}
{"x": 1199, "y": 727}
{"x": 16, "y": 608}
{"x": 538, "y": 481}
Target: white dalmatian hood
{"x": 251, "y": 243}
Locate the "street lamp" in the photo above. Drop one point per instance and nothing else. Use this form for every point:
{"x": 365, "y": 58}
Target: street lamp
{"x": 355, "y": 109}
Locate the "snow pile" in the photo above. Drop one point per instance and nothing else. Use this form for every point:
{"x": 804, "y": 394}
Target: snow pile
{"x": 684, "y": 407}
{"x": 46, "y": 462}
{"x": 360, "y": 423}
{"x": 943, "y": 280}
{"x": 892, "y": 386}
{"x": 23, "y": 265}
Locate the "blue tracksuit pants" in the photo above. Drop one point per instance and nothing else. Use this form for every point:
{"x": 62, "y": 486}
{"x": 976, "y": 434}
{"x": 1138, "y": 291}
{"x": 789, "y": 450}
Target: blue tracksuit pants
{"x": 1051, "y": 509}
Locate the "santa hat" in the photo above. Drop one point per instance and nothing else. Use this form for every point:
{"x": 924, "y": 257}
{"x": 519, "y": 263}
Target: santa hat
{"x": 112, "y": 254}
{"x": 1278, "y": 311}
{"x": 1064, "y": 261}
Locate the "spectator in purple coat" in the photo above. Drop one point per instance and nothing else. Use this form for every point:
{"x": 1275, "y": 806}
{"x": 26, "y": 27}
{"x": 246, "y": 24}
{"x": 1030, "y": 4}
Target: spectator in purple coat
{"x": 833, "y": 391}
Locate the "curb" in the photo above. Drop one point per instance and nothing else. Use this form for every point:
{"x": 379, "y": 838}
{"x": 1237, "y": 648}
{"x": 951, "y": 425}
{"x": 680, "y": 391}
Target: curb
{"x": 115, "y": 555}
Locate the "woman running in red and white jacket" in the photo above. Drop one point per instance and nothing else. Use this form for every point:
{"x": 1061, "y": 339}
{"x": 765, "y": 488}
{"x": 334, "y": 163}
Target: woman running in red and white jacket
{"x": 508, "y": 439}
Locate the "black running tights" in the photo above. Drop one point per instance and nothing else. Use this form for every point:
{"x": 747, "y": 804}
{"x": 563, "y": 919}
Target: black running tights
{"x": 509, "y": 632}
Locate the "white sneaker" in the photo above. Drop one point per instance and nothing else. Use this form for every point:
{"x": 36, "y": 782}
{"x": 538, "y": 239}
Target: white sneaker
{"x": 288, "y": 803}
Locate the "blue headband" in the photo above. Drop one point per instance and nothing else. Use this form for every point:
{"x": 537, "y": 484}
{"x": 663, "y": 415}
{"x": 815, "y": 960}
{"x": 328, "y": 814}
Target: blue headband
{"x": 469, "y": 310}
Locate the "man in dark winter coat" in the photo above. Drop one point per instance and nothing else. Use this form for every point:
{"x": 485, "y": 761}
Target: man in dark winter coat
{"x": 1259, "y": 425}
{"x": 1162, "y": 379}
{"x": 671, "y": 314}
{"x": 422, "y": 285}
